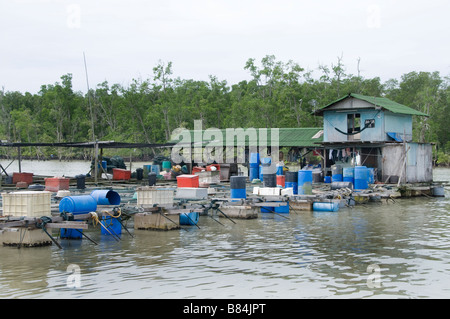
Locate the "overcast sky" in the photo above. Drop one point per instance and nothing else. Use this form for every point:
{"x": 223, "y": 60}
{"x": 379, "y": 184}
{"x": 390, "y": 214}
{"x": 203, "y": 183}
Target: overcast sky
{"x": 41, "y": 40}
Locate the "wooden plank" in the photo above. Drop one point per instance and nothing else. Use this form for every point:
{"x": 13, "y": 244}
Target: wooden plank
{"x": 68, "y": 225}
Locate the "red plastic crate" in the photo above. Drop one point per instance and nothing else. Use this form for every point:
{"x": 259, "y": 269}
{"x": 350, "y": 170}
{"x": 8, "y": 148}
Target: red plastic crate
{"x": 196, "y": 169}
{"x": 187, "y": 181}
{"x": 119, "y": 174}
{"x": 23, "y": 177}
{"x": 54, "y": 184}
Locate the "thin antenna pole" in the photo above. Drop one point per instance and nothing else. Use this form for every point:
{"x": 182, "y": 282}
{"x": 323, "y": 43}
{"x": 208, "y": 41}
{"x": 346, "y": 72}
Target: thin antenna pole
{"x": 92, "y": 123}
{"x": 89, "y": 98}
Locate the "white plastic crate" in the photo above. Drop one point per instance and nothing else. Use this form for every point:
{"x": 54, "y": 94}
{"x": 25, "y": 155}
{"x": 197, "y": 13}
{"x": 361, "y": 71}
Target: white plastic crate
{"x": 27, "y": 204}
{"x": 154, "y": 195}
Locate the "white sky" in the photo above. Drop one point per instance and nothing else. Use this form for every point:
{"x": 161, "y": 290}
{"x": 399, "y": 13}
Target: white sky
{"x": 41, "y": 40}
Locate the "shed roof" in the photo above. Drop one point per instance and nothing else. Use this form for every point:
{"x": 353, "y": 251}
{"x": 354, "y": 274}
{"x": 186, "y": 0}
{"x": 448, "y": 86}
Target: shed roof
{"x": 382, "y": 102}
{"x": 287, "y": 137}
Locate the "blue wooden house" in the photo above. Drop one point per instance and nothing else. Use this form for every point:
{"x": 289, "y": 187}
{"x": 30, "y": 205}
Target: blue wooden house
{"x": 375, "y": 132}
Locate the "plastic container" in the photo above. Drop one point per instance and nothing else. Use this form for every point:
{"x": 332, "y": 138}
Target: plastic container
{"x": 151, "y": 179}
{"x": 166, "y": 165}
{"x": 253, "y": 173}
{"x": 336, "y": 173}
{"x": 81, "y": 204}
{"x": 187, "y": 181}
{"x": 238, "y": 182}
{"x": 106, "y": 197}
{"x": 270, "y": 180}
{"x": 348, "y": 174}
{"x": 81, "y": 181}
{"x": 291, "y": 177}
{"x": 361, "y": 177}
{"x": 266, "y": 161}
{"x": 22, "y": 177}
{"x": 78, "y": 204}
{"x": 112, "y": 225}
{"x": 327, "y": 179}
{"x": 155, "y": 169}
{"x": 254, "y": 160}
{"x": 139, "y": 174}
{"x": 27, "y": 204}
{"x": 305, "y": 182}
{"x": 154, "y": 195}
{"x": 292, "y": 185}
{"x": 54, "y": 184}
{"x": 238, "y": 193}
{"x": 281, "y": 181}
{"x": 189, "y": 218}
{"x": 267, "y": 209}
{"x": 438, "y": 191}
{"x": 326, "y": 207}
{"x": 261, "y": 175}
{"x": 284, "y": 209}
{"x": 121, "y": 174}
{"x": 280, "y": 170}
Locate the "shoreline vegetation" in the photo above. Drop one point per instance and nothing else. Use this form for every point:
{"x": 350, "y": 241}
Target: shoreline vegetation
{"x": 278, "y": 94}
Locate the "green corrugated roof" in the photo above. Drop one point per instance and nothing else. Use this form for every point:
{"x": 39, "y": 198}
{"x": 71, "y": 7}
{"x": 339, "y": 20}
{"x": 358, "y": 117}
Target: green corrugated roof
{"x": 383, "y": 102}
{"x": 287, "y": 137}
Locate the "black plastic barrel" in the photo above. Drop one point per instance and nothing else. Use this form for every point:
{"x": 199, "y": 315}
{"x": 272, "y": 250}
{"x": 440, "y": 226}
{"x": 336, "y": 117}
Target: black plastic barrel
{"x": 270, "y": 180}
{"x": 151, "y": 179}
{"x": 139, "y": 174}
{"x": 238, "y": 186}
{"x": 238, "y": 182}
{"x": 81, "y": 181}
{"x": 291, "y": 177}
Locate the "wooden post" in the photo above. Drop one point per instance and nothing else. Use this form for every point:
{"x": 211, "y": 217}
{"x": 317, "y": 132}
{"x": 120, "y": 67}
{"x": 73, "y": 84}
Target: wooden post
{"x": 20, "y": 159}
{"x": 96, "y": 162}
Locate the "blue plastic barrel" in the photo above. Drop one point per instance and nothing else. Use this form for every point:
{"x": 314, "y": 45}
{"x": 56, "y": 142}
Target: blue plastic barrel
{"x": 81, "y": 204}
{"x": 305, "y": 182}
{"x": 326, "y": 207}
{"x": 327, "y": 179}
{"x": 284, "y": 209}
{"x": 189, "y": 218}
{"x": 238, "y": 193}
{"x": 292, "y": 185}
{"x": 253, "y": 173}
{"x": 112, "y": 225}
{"x": 336, "y": 173}
{"x": 266, "y": 161}
{"x": 348, "y": 174}
{"x": 261, "y": 173}
{"x": 106, "y": 197}
{"x": 267, "y": 209}
{"x": 280, "y": 170}
{"x": 155, "y": 169}
{"x": 361, "y": 177}
{"x": 254, "y": 160}
{"x": 68, "y": 233}
{"x": 78, "y": 204}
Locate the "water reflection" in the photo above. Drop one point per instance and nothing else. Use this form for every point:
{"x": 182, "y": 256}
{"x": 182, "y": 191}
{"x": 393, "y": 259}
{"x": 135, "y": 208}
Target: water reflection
{"x": 309, "y": 255}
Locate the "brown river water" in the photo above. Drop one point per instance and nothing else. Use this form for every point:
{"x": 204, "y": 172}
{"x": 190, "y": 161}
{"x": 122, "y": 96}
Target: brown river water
{"x": 393, "y": 250}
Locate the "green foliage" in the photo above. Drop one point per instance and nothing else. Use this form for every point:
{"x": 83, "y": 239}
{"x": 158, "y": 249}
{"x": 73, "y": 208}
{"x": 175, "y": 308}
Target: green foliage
{"x": 279, "y": 94}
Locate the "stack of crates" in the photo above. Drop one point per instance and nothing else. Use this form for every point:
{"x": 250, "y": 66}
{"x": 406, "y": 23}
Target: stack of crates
{"x": 27, "y": 204}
